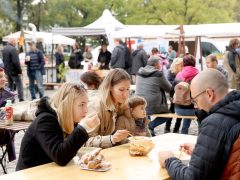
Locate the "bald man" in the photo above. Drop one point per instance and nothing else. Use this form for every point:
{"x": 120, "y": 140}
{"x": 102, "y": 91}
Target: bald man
{"x": 12, "y": 67}
{"x": 218, "y": 131}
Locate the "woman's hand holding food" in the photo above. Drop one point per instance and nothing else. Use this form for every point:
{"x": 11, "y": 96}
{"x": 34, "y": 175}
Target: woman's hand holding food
{"x": 90, "y": 122}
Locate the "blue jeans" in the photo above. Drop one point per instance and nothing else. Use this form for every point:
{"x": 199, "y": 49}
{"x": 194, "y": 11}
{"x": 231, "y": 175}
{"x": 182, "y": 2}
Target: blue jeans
{"x": 186, "y": 122}
{"x": 35, "y": 75}
{"x": 156, "y": 122}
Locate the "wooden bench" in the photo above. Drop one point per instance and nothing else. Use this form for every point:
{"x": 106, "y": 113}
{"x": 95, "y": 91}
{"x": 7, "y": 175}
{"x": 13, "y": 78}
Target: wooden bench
{"x": 173, "y": 115}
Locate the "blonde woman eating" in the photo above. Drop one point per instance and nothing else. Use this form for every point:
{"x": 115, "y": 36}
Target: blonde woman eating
{"x": 60, "y": 128}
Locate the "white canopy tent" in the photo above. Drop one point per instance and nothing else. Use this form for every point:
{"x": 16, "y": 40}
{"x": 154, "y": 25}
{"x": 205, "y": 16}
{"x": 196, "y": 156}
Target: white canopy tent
{"x": 224, "y": 31}
{"x": 99, "y": 27}
{"x": 143, "y": 31}
{"x": 48, "y": 38}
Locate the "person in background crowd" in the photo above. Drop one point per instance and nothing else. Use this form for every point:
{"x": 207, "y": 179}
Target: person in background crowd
{"x": 171, "y": 55}
{"x": 35, "y": 69}
{"x": 212, "y": 62}
{"x": 152, "y": 85}
{"x": 232, "y": 64}
{"x": 134, "y": 118}
{"x": 187, "y": 74}
{"x": 155, "y": 52}
{"x": 88, "y": 58}
{"x": 118, "y": 55}
{"x": 60, "y": 128}
{"x": 76, "y": 57}
{"x": 91, "y": 79}
{"x": 175, "y": 68}
{"x": 216, "y": 152}
{"x": 110, "y": 102}
{"x": 59, "y": 61}
{"x": 139, "y": 59}
{"x": 104, "y": 57}
{"x": 5, "y": 135}
{"x": 13, "y": 68}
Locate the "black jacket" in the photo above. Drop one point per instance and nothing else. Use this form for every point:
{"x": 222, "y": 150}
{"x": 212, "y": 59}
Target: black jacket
{"x": 11, "y": 61}
{"x": 139, "y": 59}
{"x": 217, "y": 133}
{"x": 44, "y": 141}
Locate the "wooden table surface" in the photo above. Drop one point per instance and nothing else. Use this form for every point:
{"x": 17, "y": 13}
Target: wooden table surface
{"x": 124, "y": 166}
{"x": 16, "y": 126}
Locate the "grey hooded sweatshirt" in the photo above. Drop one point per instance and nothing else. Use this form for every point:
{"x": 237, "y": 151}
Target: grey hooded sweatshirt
{"x": 152, "y": 85}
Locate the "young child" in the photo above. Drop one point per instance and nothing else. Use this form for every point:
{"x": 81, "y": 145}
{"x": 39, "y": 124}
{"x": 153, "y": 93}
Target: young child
{"x": 134, "y": 118}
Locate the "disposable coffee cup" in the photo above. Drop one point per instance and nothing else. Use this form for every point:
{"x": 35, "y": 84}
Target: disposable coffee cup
{"x": 27, "y": 58}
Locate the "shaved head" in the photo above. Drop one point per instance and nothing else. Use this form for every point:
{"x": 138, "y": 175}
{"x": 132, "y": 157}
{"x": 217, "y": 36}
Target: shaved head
{"x": 210, "y": 78}
{"x": 208, "y": 88}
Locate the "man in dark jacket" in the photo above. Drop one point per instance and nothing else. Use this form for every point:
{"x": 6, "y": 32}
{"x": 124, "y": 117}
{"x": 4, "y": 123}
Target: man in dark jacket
{"x": 139, "y": 59}
{"x": 13, "y": 68}
{"x": 219, "y": 128}
{"x": 118, "y": 55}
{"x": 152, "y": 85}
{"x": 35, "y": 69}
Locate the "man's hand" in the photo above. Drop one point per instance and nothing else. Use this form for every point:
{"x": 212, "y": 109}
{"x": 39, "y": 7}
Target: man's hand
{"x": 187, "y": 148}
{"x": 163, "y": 155}
{"x": 120, "y": 135}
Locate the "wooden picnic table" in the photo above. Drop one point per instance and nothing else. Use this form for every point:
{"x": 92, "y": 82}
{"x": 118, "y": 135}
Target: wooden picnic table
{"x": 15, "y": 128}
{"x": 124, "y": 166}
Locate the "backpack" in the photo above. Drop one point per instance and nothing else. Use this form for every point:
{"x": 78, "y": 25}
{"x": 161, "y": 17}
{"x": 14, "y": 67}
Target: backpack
{"x": 182, "y": 94}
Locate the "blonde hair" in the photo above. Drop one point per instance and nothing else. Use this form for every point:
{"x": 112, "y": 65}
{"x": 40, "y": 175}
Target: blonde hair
{"x": 62, "y": 102}
{"x": 175, "y": 63}
{"x": 114, "y": 77}
{"x": 59, "y": 48}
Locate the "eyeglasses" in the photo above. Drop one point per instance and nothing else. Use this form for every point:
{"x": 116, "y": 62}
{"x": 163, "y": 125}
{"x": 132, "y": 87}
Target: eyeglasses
{"x": 193, "y": 99}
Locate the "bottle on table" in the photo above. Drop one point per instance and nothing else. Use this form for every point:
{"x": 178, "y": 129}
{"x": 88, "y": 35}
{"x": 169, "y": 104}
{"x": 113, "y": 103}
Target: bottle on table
{"x": 9, "y": 113}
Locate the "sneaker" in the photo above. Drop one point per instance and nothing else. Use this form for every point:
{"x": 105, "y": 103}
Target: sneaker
{"x": 152, "y": 132}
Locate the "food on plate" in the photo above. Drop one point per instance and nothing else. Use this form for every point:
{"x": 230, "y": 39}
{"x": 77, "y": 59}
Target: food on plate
{"x": 94, "y": 160}
{"x": 140, "y": 147}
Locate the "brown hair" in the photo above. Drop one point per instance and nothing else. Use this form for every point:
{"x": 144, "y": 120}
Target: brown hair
{"x": 154, "y": 50}
{"x": 212, "y": 57}
{"x": 234, "y": 42}
{"x": 136, "y": 101}
{"x": 91, "y": 78}
{"x": 189, "y": 60}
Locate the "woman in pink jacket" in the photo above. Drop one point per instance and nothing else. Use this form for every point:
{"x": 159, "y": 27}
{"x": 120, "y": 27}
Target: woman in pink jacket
{"x": 187, "y": 74}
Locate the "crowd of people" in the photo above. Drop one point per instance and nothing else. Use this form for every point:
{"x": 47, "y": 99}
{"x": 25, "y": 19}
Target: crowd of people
{"x": 101, "y": 113}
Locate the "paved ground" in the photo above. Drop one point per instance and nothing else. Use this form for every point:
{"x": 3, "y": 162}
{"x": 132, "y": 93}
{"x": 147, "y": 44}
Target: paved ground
{"x": 12, "y": 165}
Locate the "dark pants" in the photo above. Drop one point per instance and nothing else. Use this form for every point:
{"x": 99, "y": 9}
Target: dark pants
{"x": 157, "y": 121}
{"x": 169, "y": 122}
{"x": 18, "y": 82}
